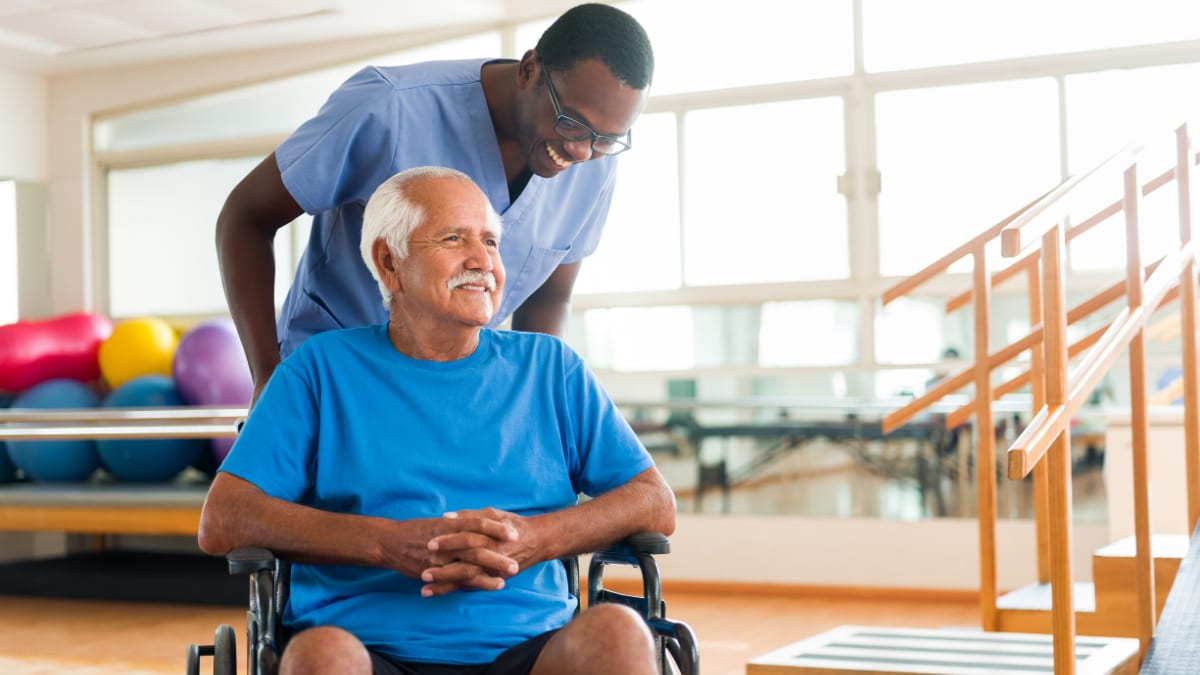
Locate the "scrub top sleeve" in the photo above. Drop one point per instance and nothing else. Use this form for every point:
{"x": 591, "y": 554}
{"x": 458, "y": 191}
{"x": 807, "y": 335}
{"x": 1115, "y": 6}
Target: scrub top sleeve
{"x": 593, "y": 222}
{"x": 276, "y": 449}
{"x": 610, "y": 453}
{"x": 346, "y": 151}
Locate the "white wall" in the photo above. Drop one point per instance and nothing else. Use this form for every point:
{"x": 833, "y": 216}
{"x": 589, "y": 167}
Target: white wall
{"x": 941, "y": 553}
{"x": 23, "y": 127}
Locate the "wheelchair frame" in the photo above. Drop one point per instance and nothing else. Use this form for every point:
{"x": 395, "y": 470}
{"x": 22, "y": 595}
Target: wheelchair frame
{"x": 266, "y": 634}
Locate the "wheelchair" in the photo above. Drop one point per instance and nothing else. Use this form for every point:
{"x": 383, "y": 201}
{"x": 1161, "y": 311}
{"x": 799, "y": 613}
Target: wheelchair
{"x": 266, "y": 634}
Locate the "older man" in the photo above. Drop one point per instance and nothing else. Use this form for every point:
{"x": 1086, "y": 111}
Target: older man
{"x": 423, "y": 473}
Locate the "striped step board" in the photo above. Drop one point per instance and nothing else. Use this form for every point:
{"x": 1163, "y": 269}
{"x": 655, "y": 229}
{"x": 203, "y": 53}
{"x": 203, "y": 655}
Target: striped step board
{"x": 875, "y": 651}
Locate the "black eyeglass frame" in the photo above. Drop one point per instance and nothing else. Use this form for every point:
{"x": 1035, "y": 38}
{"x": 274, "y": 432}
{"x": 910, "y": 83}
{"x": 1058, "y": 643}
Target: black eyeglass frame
{"x": 622, "y": 142}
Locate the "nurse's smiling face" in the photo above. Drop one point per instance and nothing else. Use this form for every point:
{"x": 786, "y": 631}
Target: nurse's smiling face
{"x": 582, "y": 113}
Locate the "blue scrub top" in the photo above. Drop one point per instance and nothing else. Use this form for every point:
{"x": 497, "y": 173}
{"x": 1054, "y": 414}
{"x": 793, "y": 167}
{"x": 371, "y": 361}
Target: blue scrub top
{"x": 385, "y": 120}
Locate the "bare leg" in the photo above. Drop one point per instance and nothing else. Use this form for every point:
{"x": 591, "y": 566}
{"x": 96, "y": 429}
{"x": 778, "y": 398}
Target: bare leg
{"x": 604, "y": 639}
{"x": 325, "y": 649}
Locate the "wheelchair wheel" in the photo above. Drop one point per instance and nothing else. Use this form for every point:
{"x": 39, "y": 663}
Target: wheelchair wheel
{"x": 225, "y": 651}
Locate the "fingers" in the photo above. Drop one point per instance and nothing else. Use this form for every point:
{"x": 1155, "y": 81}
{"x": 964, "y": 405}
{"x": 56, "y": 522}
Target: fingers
{"x": 458, "y": 576}
{"x": 463, "y": 541}
{"x": 491, "y": 522}
{"x": 490, "y": 560}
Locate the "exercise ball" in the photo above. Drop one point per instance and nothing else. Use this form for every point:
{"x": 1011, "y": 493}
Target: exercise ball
{"x": 147, "y": 460}
{"x": 8, "y": 470}
{"x": 210, "y": 367}
{"x": 66, "y": 346}
{"x": 56, "y": 460}
{"x": 137, "y": 347}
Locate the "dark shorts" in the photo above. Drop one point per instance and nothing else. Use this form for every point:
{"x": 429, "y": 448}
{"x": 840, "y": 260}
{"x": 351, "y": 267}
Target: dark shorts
{"x": 516, "y": 660}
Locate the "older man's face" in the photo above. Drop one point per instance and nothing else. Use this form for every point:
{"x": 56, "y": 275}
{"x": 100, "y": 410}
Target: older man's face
{"x": 453, "y": 271}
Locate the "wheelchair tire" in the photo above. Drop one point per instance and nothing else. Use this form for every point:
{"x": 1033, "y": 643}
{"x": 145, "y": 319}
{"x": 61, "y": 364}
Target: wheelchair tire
{"x": 225, "y": 651}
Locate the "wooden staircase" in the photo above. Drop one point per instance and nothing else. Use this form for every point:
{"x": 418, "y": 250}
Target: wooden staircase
{"x": 1131, "y": 577}
{"x": 1107, "y": 605}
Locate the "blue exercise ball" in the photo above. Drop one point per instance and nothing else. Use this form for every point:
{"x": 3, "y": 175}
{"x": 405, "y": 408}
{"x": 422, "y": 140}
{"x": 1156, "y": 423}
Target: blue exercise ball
{"x": 8, "y": 470}
{"x": 148, "y": 460}
{"x": 56, "y": 460}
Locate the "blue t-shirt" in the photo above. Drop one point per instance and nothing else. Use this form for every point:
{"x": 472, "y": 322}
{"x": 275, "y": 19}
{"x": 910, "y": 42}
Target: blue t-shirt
{"x": 349, "y": 424}
{"x": 385, "y": 120}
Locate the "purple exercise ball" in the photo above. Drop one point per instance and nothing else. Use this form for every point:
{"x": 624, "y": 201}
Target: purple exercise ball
{"x": 210, "y": 367}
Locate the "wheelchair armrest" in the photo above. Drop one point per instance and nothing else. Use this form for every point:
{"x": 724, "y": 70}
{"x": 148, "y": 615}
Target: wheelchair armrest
{"x": 637, "y": 550}
{"x": 249, "y": 560}
{"x": 638, "y": 543}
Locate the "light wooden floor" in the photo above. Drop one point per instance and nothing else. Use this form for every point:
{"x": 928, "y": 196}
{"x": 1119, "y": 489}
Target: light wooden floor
{"x": 39, "y": 635}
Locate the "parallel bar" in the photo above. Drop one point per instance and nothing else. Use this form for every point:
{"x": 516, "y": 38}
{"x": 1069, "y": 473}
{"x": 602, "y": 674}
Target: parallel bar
{"x": 180, "y": 414}
{"x": 117, "y": 431}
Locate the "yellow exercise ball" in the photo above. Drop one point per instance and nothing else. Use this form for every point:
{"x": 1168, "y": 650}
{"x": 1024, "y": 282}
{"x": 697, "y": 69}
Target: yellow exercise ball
{"x": 137, "y": 347}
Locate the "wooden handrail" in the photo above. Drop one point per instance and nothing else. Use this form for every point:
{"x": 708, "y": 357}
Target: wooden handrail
{"x": 1031, "y": 445}
{"x": 953, "y": 383}
{"x": 1014, "y": 384}
{"x": 1042, "y": 448}
{"x": 943, "y": 263}
{"x": 1011, "y": 238}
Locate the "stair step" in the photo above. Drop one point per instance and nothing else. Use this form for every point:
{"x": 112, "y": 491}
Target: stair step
{"x": 865, "y": 649}
{"x": 1114, "y": 570}
{"x": 1037, "y": 597}
{"x": 1162, "y": 547}
{"x": 1028, "y": 610}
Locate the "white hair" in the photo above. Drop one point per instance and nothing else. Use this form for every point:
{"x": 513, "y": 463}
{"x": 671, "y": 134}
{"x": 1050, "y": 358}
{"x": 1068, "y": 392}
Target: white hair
{"x": 393, "y": 213}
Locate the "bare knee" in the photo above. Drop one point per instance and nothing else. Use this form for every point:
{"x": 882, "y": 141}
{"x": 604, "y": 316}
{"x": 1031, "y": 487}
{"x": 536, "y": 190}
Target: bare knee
{"x": 618, "y": 621}
{"x": 325, "y": 649}
{"x": 606, "y": 638}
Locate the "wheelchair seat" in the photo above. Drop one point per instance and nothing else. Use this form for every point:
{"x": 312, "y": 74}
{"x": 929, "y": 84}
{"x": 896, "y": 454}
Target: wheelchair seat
{"x": 266, "y": 634}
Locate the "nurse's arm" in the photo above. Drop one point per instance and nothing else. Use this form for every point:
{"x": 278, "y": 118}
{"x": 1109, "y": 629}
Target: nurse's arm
{"x": 549, "y": 307}
{"x": 258, "y": 207}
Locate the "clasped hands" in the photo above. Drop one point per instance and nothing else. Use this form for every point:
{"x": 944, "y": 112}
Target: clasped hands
{"x": 475, "y": 550}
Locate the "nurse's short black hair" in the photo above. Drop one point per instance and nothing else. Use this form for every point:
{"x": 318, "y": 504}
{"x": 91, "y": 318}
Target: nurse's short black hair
{"x": 596, "y": 31}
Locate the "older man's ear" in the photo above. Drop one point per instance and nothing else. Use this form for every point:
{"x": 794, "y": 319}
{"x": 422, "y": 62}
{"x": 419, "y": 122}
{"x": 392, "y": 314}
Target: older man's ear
{"x": 387, "y": 263}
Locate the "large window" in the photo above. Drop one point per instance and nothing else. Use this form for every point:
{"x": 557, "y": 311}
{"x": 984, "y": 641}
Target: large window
{"x": 162, "y": 259}
{"x": 947, "y": 158}
{"x": 942, "y": 32}
{"x": 640, "y": 249}
{"x": 761, "y": 201}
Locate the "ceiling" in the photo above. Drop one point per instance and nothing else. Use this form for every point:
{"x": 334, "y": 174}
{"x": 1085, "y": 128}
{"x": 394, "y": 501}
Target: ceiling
{"x": 61, "y": 36}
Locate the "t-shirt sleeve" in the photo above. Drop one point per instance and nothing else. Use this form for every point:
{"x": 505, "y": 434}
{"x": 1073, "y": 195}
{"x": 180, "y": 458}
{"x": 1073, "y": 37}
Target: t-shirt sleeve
{"x": 608, "y": 450}
{"x": 595, "y": 218}
{"x": 343, "y": 153}
{"x": 276, "y": 449}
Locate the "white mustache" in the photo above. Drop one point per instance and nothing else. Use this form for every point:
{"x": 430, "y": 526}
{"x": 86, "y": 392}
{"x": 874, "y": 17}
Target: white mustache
{"x": 472, "y": 277}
